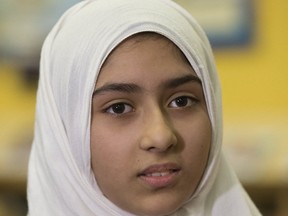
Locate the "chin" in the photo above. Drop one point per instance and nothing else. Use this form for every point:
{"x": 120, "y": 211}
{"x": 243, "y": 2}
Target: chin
{"x": 157, "y": 212}
{"x": 159, "y": 208}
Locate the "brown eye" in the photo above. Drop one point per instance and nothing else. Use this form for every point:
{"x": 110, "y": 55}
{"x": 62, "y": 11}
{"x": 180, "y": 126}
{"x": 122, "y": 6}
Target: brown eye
{"x": 182, "y": 101}
{"x": 119, "y": 108}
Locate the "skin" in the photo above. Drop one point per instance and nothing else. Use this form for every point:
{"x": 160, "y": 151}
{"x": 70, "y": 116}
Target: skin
{"x": 148, "y": 109}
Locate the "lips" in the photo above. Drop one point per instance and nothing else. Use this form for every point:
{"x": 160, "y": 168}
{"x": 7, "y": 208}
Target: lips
{"x": 160, "y": 175}
{"x": 160, "y": 170}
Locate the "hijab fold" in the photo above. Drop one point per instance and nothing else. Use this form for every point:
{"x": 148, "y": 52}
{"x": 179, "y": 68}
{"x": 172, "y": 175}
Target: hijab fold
{"x": 60, "y": 179}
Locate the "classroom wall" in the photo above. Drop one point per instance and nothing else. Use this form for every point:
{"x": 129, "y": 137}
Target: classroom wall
{"x": 255, "y": 77}
{"x": 255, "y": 99}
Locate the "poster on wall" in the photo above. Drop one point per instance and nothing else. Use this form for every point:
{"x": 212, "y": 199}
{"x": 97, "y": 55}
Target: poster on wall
{"x": 25, "y": 24}
{"x": 226, "y": 22}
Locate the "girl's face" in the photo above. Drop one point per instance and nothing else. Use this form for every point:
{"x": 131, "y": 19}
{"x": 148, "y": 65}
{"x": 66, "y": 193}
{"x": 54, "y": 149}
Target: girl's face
{"x": 150, "y": 130}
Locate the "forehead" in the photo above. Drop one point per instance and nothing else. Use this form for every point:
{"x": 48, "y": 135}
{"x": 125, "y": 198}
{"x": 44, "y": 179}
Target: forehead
{"x": 144, "y": 36}
{"x": 131, "y": 42}
{"x": 146, "y": 59}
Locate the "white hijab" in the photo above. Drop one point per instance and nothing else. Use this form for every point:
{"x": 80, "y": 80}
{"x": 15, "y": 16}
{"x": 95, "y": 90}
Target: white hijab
{"x": 60, "y": 180}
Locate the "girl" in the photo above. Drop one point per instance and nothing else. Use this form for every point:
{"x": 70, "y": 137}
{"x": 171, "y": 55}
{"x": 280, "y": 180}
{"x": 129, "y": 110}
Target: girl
{"x": 129, "y": 117}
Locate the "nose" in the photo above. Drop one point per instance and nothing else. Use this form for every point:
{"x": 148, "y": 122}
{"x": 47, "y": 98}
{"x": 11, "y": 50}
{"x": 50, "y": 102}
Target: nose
{"x": 158, "y": 134}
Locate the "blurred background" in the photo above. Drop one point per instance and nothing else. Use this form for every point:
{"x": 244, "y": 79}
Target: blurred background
{"x": 250, "y": 42}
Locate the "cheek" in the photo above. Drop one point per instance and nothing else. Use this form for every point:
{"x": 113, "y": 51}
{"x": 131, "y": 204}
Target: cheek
{"x": 100, "y": 146}
{"x": 196, "y": 137}
{"x": 111, "y": 154}
{"x": 111, "y": 151}
{"x": 106, "y": 160}
{"x": 104, "y": 148}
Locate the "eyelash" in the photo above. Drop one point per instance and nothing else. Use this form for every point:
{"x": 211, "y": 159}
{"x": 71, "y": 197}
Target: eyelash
{"x": 188, "y": 102}
{"x": 121, "y": 108}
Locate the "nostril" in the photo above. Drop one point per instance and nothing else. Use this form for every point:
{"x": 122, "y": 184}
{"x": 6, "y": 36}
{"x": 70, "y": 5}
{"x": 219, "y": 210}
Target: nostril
{"x": 158, "y": 134}
{"x": 159, "y": 140}
{"x": 160, "y": 148}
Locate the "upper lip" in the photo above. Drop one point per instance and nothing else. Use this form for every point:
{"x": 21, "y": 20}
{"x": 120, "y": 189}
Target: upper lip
{"x": 160, "y": 168}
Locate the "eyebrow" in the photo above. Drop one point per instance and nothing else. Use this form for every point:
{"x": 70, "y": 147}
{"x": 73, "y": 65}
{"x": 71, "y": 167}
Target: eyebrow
{"x": 173, "y": 83}
{"x": 120, "y": 87}
{"x": 133, "y": 88}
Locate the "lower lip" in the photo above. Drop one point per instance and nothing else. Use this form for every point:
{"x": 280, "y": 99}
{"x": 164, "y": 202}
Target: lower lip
{"x": 157, "y": 182}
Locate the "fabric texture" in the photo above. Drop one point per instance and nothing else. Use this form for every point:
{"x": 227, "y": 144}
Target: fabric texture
{"x": 60, "y": 179}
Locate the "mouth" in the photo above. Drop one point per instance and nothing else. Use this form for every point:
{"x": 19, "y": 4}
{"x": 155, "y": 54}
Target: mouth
{"x": 160, "y": 176}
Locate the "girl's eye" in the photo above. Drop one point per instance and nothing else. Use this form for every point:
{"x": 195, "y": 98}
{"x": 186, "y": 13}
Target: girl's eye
{"x": 183, "y": 101}
{"x": 119, "y": 108}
